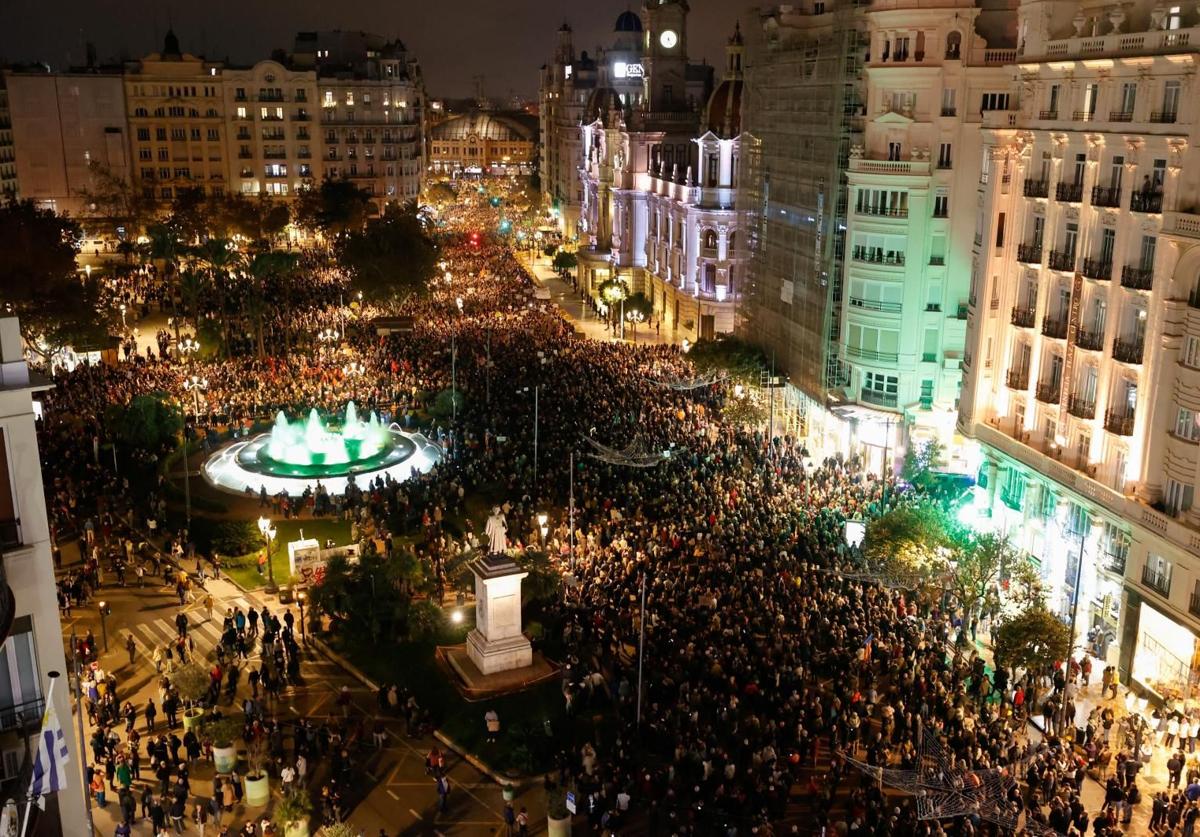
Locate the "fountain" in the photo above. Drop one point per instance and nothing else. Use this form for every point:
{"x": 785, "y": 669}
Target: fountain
{"x": 295, "y": 455}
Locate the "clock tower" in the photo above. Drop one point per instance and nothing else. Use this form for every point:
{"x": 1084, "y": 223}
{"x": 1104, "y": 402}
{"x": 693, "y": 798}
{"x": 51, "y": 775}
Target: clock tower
{"x": 665, "y": 54}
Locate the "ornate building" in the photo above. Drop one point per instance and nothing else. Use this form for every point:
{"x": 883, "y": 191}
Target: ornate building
{"x": 483, "y": 143}
{"x": 1081, "y": 376}
{"x": 638, "y": 182}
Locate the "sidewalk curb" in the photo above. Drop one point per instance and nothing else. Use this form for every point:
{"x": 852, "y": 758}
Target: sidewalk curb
{"x": 473, "y": 760}
{"x": 345, "y": 664}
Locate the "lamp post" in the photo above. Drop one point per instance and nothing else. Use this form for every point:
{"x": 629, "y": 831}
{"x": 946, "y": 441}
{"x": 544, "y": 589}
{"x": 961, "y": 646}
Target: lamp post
{"x": 268, "y": 533}
{"x": 543, "y": 528}
{"x": 192, "y": 384}
{"x": 327, "y": 336}
{"x": 301, "y": 597}
{"x": 104, "y": 611}
{"x": 188, "y": 347}
{"x": 123, "y": 308}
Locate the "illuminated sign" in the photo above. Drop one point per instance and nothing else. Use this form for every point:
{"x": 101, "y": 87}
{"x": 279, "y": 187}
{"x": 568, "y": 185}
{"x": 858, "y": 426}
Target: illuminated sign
{"x": 567, "y": 71}
{"x": 622, "y": 69}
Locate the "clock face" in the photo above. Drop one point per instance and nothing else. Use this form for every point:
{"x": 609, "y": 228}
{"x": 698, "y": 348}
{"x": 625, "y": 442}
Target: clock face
{"x": 668, "y": 39}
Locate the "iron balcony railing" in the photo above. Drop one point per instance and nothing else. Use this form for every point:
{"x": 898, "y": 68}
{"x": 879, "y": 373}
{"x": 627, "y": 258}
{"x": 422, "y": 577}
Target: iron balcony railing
{"x": 1145, "y": 201}
{"x": 1080, "y": 408}
{"x": 1018, "y": 379}
{"x": 1037, "y": 188}
{"x": 1163, "y": 117}
{"x": 1030, "y": 253}
{"x": 1024, "y": 317}
{"x": 1109, "y": 196}
{"x": 22, "y": 715}
{"x": 882, "y": 399}
{"x": 1048, "y": 392}
{"x": 1137, "y": 278}
{"x": 1157, "y": 581}
{"x": 1062, "y": 260}
{"x": 1128, "y": 351}
{"x": 1054, "y": 327}
{"x": 1097, "y": 269}
{"x": 1092, "y": 341}
{"x": 1119, "y": 422}
{"x": 1069, "y": 192}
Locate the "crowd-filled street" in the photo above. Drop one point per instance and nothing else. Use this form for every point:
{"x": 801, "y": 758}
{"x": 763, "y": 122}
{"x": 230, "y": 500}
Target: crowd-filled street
{"x": 773, "y": 683}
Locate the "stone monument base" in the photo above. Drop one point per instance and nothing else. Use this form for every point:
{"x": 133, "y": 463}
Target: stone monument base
{"x": 474, "y": 685}
{"x": 492, "y": 656}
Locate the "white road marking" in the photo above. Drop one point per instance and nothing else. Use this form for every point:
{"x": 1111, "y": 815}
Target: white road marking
{"x": 393, "y": 796}
{"x": 411, "y": 811}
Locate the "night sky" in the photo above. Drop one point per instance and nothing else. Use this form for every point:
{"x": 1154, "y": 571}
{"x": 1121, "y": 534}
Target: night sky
{"x": 455, "y": 40}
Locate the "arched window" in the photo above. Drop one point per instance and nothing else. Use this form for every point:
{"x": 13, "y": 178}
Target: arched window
{"x": 731, "y": 246}
{"x": 710, "y": 240}
{"x": 953, "y": 44}
{"x": 710, "y": 279}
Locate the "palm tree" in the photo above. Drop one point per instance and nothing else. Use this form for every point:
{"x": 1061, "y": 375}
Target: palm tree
{"x": 191, "y": 289}
{"x": 220, "y": 260}
{"x": 266, "y": 266}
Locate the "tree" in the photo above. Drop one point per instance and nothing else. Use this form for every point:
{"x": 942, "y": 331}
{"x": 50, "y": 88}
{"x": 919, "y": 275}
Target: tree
{"x": 1034, "y": 639}
{"x": 391, "y": 259}
{"x": 38, "y": 282}
{"x": 334, "y": 208}
{"x": 565, "y": 262}
{"x": 741, "y": 360}
{"x": 909, "y": 539}
{"x": 114, "y": 198}
{"x": 266, "y": 269}
{"x": 219, "y": 259}
{"x": 976, "y": 570}
{"x": 148, "y": 422}
{"x": 191, "y": 216}
{"x": 920, "y": 461}
{"x": 425, "y": 621}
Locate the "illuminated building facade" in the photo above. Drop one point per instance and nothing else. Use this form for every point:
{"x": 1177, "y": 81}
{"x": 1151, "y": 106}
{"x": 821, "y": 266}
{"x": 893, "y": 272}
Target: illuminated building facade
{"x": 1082, "y": 365}
{"x": 483, "y": 143}
{"x": 931, "y": 73}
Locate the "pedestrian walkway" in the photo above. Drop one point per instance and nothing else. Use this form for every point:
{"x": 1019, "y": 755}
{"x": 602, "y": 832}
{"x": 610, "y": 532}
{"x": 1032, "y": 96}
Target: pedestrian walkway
{"x": 205, "y": 633}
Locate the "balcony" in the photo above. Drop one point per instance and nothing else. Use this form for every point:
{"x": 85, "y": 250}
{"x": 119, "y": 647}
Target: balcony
{"x": 882, "y": 211}
{"x": 949, "y": 111}
{"x": 1081, "y": 408}
{"x": 1030, "y": 253}
{"x": 881, "y": 399}
{"x": 1157, "y": 581}
{"x": 872, "y": 354}
{"x": 1083, "y": 116}
{"x": 1054, "y": 328}
{"x": 1163, "y": 117}
{"x": 1109, "y": 196}
{"x": 1018, "y": 379}
{"x": 1091, "y": 341}
{"x": 1037, "y": 188}
{"x": 1063, "y": 260}
{"x": 22, "y": 716}
{"x": 1119, "y": 422}
{"x": 937, "y": 261}
{"x": 1047, "y": 114}
{"x": 1120, "y": 116}
{"x": 1145, "y": 201}
{"x": 1097, "y": 269}
{"x": 1048, "y": 392}
{"x": 1128, "y": 351}
{"x": 872, "y": 255}
{"x": 1069, "y": 192}
{"x": 1024, "y": 317}
{"x": 1137, "y": 278}
{"x": 875, "y": 305}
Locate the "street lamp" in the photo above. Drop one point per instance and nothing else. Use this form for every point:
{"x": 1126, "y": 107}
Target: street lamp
{"x": 268, "y": 533}
{"x": 188, "y": 346}
{"x": 327, "y": 336}
{"x": 353, "y": 368}
{"x": 192, "y": 384}
{"x": 301, "y": 597}
{"x": 104, "y": 611}
{"x": 123, "y": 308}
{"x": 459, "y": 302}
{"x": 543, "y": 529}
{"x": 634, "y": 318}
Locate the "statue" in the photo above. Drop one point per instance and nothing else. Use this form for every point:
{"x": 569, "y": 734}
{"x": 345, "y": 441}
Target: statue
{"x": 497, "y": 531}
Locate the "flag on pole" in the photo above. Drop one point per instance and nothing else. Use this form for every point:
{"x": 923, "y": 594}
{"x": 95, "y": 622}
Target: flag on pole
{"x": 50, "y": 763}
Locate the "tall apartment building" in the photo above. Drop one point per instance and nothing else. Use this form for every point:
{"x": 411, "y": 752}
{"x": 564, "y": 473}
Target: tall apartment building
{"x": 31, "y": 640}
{"x": 272, "y": 136}
{"x": 61, "y": 124}
{"x": 801, "y": 117}
{"x": 177, "y": 123}
{"x": 1082, "y": 367}
{"x": 8, "y": 154}
{"x": 931, "y": 72}
{"x": 371, "y": 111}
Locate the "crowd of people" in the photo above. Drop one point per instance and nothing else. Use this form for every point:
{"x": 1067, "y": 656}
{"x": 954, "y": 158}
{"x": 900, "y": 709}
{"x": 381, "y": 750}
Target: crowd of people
{"x": 756, "y": 685}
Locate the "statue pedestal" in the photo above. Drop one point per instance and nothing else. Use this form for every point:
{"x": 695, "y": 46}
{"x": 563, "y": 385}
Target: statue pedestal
{"x": 496, "y": 643}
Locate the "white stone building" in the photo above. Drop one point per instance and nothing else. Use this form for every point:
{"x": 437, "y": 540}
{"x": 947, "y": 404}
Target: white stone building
{"x": 272, "y": 135}
{"x": 1082, "y": 366}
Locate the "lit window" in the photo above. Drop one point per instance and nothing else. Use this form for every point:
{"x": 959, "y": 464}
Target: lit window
{"x": 350, "y": 98}
{"x": 328, "y": 101}
{"x": 241, "y": 112}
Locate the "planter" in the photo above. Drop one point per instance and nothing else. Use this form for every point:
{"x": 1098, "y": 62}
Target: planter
{"x": 258, "y": 791}
{"x": 296, "y": 829}
{"x": 225, "y": 758}
{"x": 509, "y": 792}
{"x": 559, "y": 827}
{"x": 191, "y": 718}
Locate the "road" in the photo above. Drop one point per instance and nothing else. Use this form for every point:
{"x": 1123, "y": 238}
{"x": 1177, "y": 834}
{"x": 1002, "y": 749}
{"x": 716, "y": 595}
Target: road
{"x": 399, "y": 796}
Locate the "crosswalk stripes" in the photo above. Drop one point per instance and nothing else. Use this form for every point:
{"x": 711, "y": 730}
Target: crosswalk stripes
{"x": 159, "y": 632}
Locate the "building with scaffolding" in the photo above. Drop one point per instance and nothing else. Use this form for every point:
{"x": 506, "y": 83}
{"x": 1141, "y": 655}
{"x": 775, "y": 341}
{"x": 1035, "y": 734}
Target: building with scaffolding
{"x": 802, "y": 115}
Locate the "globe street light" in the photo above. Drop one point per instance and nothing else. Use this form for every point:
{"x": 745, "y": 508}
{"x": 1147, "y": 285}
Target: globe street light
{"x": 268, "y": 533}
{"x": 301, "y": 597}
{"x": 188, "y": 347}
{"x": 104, "y": 611}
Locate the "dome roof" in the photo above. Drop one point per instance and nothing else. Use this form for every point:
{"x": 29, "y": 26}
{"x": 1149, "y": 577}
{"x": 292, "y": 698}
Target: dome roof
{"x": 723, "y": 116}
{"x": 628, "y": 22}
{"x": 600, "y": 103}
{"x": 484, "y": 126}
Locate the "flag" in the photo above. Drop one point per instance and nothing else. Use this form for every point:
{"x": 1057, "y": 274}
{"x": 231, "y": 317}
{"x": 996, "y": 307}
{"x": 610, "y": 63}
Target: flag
{"x": 50, "y": 763}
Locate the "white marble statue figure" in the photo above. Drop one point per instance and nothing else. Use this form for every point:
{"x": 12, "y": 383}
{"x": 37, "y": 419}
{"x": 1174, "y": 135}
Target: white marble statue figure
{"x": 497, "y": 532}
